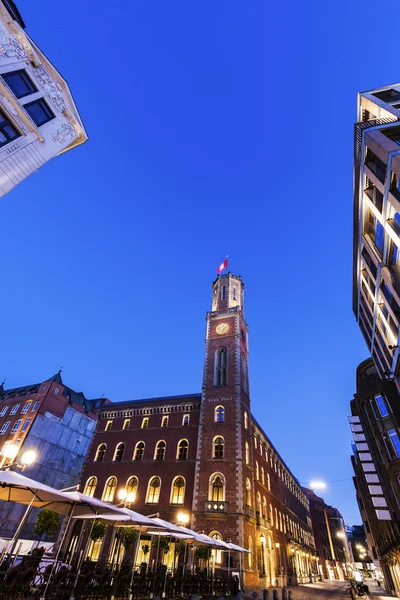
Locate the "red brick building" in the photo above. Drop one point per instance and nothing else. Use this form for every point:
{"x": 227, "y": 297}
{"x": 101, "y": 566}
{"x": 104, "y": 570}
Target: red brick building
{"x": 206, "y": 455}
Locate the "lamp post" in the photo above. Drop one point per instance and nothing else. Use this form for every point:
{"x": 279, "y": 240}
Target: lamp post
{"x": 11, "y": 453}
{"x": 262, "y": 541}
{"x": 278, "y": 549}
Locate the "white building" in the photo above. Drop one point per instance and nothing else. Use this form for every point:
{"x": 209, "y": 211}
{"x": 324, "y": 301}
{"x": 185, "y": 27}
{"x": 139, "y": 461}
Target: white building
{"x": 38, "y": 116}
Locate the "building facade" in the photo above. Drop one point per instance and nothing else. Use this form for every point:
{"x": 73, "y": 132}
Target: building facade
{"x": 206, "y": 455}
{"x": 334, "y": 560}
{"x": 38, "y": 116}
{"x": 56, "y": 424}
{"x": 376, "y": 242}
{"x": 375, "y": 422}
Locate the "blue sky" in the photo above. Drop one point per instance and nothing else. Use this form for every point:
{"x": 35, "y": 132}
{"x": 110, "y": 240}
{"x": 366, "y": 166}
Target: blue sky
{"x": 215, "y": 128}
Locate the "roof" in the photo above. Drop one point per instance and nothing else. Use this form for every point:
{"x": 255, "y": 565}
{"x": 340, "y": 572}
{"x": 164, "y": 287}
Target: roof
{"x": 14, "y": 12}
{"x": 124, "y": 403}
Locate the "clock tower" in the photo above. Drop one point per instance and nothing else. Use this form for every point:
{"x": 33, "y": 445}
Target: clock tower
{"x": 223, "y": 498}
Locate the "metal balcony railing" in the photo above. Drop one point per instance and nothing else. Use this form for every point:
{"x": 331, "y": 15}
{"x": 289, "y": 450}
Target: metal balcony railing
{"x": 214, "y": 506}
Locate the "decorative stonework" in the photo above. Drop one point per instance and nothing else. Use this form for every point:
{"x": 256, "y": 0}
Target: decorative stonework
{"x": 51, "y": 88}
{"x": 12, "y": 48}
{"x": 65, "y": 133}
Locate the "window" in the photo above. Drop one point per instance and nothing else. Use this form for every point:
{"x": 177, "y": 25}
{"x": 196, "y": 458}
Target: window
{"x": 4, "y": 427}
{"x": 394, "y": 438}
{"x": 244, "y": 372}
{"x": 164, "y": 422}
{"x": 90, "y": 487}
{"x": 145, "y": 423}
{"x": 26, "y": 407}
{"x": 264, "y": 507}
{"x": 39, "y": 111}
{"x": 16, "y": 426}
{"x": 126, "y": 424}
{"x": 131, "y": 489}
{"x": 7, "y": 130}
{"x": 246, "y": 453}
{"x": 219, "y": 414}
{"x": 14, "y": 409}
{"x": 160, "y": 450}
{"x": 255, "y": 442}
{"x": 3, "y": 410}
{"x": 221, "y": 366}
{"x": 178, "y": 491}
{"x": 35, "y": 405}
{"x": 216, "y": 554}
{"x": 153, "y": 492}
{"x": 257, "y": 471}
{"x": 248, "y": 492}
{"x": 382, "y": 406}
{"x": 139, "y": 451}
{"x": 108, "y": 426}
{"x": 101, "y": 450}
{"x": 234, "y": 294}
{"x": 250, "y": 553}
{"x": 223, "y": 293}
{"x": 218, "y": 447}
{"x": 119, "y": 452}
{"x": 262, "y": 476}
{"x": 217, "y": 488}
{"x": 183, "y": 448}
{"x": 259, "y": 507}
{"x": 109, "y": 489}
{"x": 185, "y": 420}
{"x": 276, "y": 519}
{"x": 246, "y": 420}
{"x": 26, "y": 424}
{"x": 271, "y": 515}
{"x": 20, "y": 83}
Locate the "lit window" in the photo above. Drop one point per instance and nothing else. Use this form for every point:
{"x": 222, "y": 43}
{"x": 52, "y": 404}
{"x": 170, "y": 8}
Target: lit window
{"x": 394, "y": 438}
{"x": 164, "y": 422}
{"x": 255, "y": 442}
{"x": 139, "y": 451}
{"x": 217, "y": 488}
{"x": 108, "y": 426}
{"x": 8, "y": 132}
{"x": 153, "y": 492}
{"x": 160, "y": 450}
{"x": 16, "y": 426}
{"x": 248, "y": 492}
{"x": 39, "y": 111}
{"x": 262, "y": 476}
{"x": 246, "y": 453}
{"x": 101, "y": 450}
{"x": 145, "y": 423}
{"x": 218, "y": 447}
{"x": 35, "y": 405}
{"x": 257, "y": 471}
{"x": 20, "y": 83}
{"x": 178, "y": 491}
{"x": 119, "y": 452}
{"x": 250, "y": 553}
{"x": 264, "y": 507}
{"x": 383, "y": 409}
{"x": 109, "y": 489}
{"x": 185, "y": 420}
{"x": 216, "y": 554}
{"x": 131, "y": 489}
{"x": 4, "y": 427}
{"x": 221, "y": 366}
{"x": 90, "y": 487}
{"x": 26, "y": 407}
{"x": 3, "y": 410}
{"x": 14, "y": 409}
{"x": 259, "y": 508}
{"x": 183, "y": 448}
{"x": 219, "y": 414}
{"x": 126, "y": 424}
{"x": 26, "y": 424}
{"x": 271, "y": 515}
{"x": 246, "y": 420}
{"x": 268, "y": 482}
{"x": 276, "y": 519}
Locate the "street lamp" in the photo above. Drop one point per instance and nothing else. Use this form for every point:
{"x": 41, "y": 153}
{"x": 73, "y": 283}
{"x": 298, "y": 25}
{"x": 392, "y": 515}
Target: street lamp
{"x": 341, "y": 534}
{"x": 262, "y": 541}
{"x": 317, "y": 484}
{"x": 183, "y": 518}
{"x": 11, "y": 453}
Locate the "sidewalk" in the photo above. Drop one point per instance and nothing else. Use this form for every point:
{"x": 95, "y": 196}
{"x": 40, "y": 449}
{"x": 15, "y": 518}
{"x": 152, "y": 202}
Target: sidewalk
{"x": 325, "y": 590}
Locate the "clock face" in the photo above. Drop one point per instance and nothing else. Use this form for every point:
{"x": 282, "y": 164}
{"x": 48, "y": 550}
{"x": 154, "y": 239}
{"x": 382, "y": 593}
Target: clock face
{"x": 222, "y": 328}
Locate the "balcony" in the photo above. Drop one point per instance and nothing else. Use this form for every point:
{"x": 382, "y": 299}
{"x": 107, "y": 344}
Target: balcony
{"x": 249, "y": 511}
{"x": 375, "y": 196}
{"x": 262, "y": 521}
{"x": 213, "y": 506}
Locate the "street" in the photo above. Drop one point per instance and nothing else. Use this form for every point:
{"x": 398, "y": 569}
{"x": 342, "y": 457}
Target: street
{"x": 331, "y": 589}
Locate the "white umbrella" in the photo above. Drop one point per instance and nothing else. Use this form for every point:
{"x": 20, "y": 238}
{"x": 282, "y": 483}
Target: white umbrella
{"x": 15, "y": 487}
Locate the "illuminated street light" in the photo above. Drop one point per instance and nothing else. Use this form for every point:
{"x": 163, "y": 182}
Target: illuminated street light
{"x": 28, "y": 457}
{"x": 11, "y": 453}
{"x": 122, "y": 494}
{"x": 183, "y": 518}
{"x": 317, "y": 485}
{"x": 341, "y": 534}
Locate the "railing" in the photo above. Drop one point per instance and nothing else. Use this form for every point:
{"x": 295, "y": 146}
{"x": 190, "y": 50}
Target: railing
{"x": 249, "y": 511}
{"x": 377, "y": 169}
{"x": 216, "y": 313}
{"x": 216, "y": 506}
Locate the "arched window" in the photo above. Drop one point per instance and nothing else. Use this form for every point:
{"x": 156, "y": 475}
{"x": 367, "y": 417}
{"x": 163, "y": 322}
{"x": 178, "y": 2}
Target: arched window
{"x": 139, "y": 451}
{"x": 153, "y": 491}
{"x": 160, "y": 450}
{"x": 250, "y": 554}
{"x": 271, "y": 515}
{"x": 276, "y": 519}
{"x": 246, "y": 420}
{"x": 219, "y": 414}
{"x": 257, "y": 471}
{"x": 244, "y": 372}
{"x": 264, "y": 507}
{"x": 248, "y": 492}
{"x": 164, "y": 422}
{"x": 268, "y": 482}
{"x": 101, "y": 450}
{"x": 217, "y": 488}
{"x": 185, "y": 420}
{"x": 109, "y": 489}
{"x": 280, "y": 521}
{"x": 131, "y": 489}
{"x": 119, "y": 452}
{"x": 145, "y": 422}
{"x": 178, "y": 490}
{"x": 246, "y": 453}
{"x": 262, "y": 476}
{"x": 218, "y": 447}
{"x": 221, "y": 366}
{"x": 259, "y": 506}
{"x": 223, "y": 293}
{"x": 90, "y": 487}
{"x": 216, "y": 554}
{"x": 183, "y": 449}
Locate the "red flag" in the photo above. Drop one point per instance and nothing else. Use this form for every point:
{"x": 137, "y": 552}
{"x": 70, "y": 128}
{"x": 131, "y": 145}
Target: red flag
{"x": 223, "y": 266}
